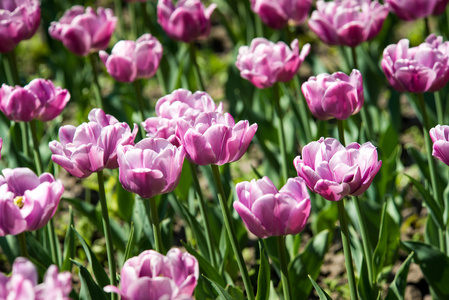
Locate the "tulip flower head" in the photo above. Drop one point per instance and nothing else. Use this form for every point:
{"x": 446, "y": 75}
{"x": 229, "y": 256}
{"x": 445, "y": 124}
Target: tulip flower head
{"x": 334, "y": 171}
{"x": 19, "y": 21}
{"x": 334, "y": 96}
{"x": 214, "y": 138}
{"x": 84, "y": 31}
{"x": 186, "y": 21}
{"x": 27, "y": 201}
{"x": 264, "y": 63}
{"x": 347, "y": 22}
{"x": 440, "y": 138}
{"x": 151, "y": 167}
{"x": 22, "y": 284}
{"x": 91, "y": 147}
{"x": 269, "y": 212}
{"x": 410, "y": 10}
{"x": 420, "y": 69}
{"x": 131, "y": 60}
{"x": 277, "y": 14}
{"x": 179, "y": 104}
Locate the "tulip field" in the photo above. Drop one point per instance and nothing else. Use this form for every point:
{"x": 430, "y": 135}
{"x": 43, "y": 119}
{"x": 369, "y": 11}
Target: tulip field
{"x": 224, "y": 149}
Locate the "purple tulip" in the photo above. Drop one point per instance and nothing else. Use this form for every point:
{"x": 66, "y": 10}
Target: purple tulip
{"x": 333, "y": 171}
{"x": 334, "y": 96}
{"x": 179, "y": 104}
{"x": 27, "y": 201}
{"x": 91, "y": 147}
{"x": 440, "y": 138}
{"x": 84, "y": 32}
{"x": 420, "y": 69}
{"x": 151, "y": 167}
{"x": 214, "y": 138}
{"x": 264, "y": 63}
{"x": 415, "y": 9}
{"x": 186, "y": 21}
{"x": 347, "y": 22}
{"x": 131, "y": 60}
{"x": 153, "y": 276}
{"x": 269, "y": 212}
{"x": 22, "y": 284}
{"x": 277, "y": 14}
{"x": 19, "y": 20}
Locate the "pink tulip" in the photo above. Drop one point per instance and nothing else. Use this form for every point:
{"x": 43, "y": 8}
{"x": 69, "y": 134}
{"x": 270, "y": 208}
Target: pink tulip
{"x": 27, "y": 202}
{"x": 334, "y": 96}
{"x": 440, "y": 138}
{"x": 153, "y": 276}
{"x": 84, "y": 32}
{"x": 179, "y": 104}
{"x": 22, "y": 284}
{"x": 131, "y": 60}
{"x": 347, "y": 22}
{"x": 333, "y": 171}
{"x": 186, "y": 21}
{"x": 19, "y": 20}
{"x": 264, "y": 63}
{"x": 420, "y": 69}
{"x": 277, "y": 14}
{"x": 214, "y": 138}
{"x": 91, "y": 147}
{"x": 269, "y": 212}
{"x": 415, "y": 9}
{"x": 151, "y": 167}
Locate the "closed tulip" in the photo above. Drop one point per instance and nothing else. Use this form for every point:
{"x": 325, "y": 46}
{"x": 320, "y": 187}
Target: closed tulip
{"x": 440, "y": 138}
{"x": 131, "y": 60}
{"x": 264, "y": 63}
{"x": 84, "y": 31}
{"x": 415, "y": 9}
{"x": 19, "y": 21}
{"x": 347, "y": 22}
{"x": 277, "y": 14}
{"x": 420, "y": 69}
{"x": 334, "y": 96}
{"x": 27, "y": 201}
{"x": 269, "y": 212}
{"x": 334, "y": 171}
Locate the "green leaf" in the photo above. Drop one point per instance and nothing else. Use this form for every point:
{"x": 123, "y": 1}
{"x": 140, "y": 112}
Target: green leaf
{"x": 221, "y": 291}
{"x": 99, "y": 272}
{"x": 308, "y": 263}
{"x": 263, "y": 280}
{"x": 381, "y": 248}
{"x": 129, "y": 246}
{"x": 364, "y": 287}
{"x": 397, "y": 287}
{"x": 69, "y": 245}
{"x": 89, "y": 289}
{"x": 321, "y": 293}
{"x": 37, "y": 252}
{"x": 433, "y": 264}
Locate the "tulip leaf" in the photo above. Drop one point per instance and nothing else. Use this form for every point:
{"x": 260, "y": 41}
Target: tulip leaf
{"x": 89, "y": 289}
{"x": 308, "y": 263}
{"x": 221, "y": 291}
{"x": 264, "y": 277}
{"x": 69, "y": 244}
{"x": 365, "y": 288}
{"x": 321, "y": 293}
{"x": 99, "y": 272}
{"x": 9, "y": 248}
{"x": 397, "y": 287}
{"x": 434, "y": 264}
{"x": 129, "y": 246}
{"x": 381, "y": 248}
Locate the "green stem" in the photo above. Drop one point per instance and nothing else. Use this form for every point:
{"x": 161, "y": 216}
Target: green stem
{"x": 203, "y": 210}
{"x": 439, "y": 107}
{"x": 198, "y": 77}
{"x": 97, "y": 88}
{"x": 431, "y": 162}
{"x": 427, "y": 26}
{"x": 12, "y": 72}
{"x": 366, "y": 243}
{"x": 347, "y": 249}
{"x": 53, "y": 245}
{"x": 341, "y": 131}
{"x": 141, "y": 103}
{"x": 132, "y": 15}
{"x": 119, "y": 14}
{"x": 284, "y": 268}
{"x": 23, "y": 244}
{"x": 149, "y": 24}
{"x": 153, "y": 218}
{"x": 231, "y": 232}
{"x": 281, "y": 132}
{"x": 107, "y": 232}
{"x": 37, "y": 154}
{"x": 303, "y": 109}
{"x": 25, "y": 139}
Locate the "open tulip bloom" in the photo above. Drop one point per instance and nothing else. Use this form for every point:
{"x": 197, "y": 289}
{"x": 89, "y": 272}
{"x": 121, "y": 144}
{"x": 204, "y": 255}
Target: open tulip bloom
{"x": 27, "y": 201}
{"x": 277, "y": 14}
{"x": 414, "y": 9}
{"x": 334, "y": 171}
{"x": 440, "y": 138}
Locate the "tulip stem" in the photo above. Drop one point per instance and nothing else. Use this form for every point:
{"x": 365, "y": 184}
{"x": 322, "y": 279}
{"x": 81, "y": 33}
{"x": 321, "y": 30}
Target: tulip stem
{"x": 119, "y": 13}
{"x": 427, "y": 26}
{"x": 341, "y": 131}
{"x": 231, "y": 232}
{"x": 132, "y": 16}
{"x": 153, "y": 218}
{"x": 284, "y": 268}
{"x": 107, "y": 231}
{"x": 439, "y": 107}
{"x": 37, "y": 153}
{"x": 23, "y": 244}
{"x": 303, "y": 109}
{"x": 198, "y": 77}
{"x": 281, "y": 132}
{"x": 433, "y": 178}
{"x": 151, "y": 29}
{"x": 97, "y": 88}
{"x": 347, "y": 248}
{"x": 140, "y": 102}
{"x": 203, "y": 210}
